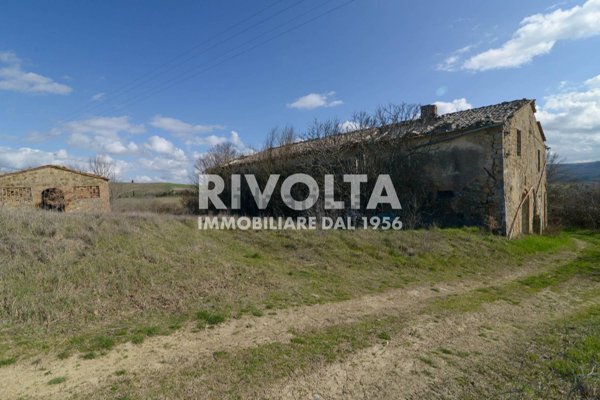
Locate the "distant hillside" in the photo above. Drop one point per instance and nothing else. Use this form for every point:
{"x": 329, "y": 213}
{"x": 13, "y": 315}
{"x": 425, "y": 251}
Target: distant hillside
{"x": 581, "y": 172}
{"x": 156, "y": 189}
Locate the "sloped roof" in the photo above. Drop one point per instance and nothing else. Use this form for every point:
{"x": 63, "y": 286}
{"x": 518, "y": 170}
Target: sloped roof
{"x": 59, "y": 167}
{"x": 460, "y": 121}
{"x": 470, "y": 119}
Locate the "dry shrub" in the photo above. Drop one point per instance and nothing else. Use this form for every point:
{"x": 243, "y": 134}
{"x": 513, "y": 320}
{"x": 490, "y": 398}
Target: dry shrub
{"x": 574, "y": 205}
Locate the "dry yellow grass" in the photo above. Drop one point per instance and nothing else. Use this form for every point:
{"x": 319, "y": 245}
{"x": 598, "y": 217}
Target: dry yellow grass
{"x": 85, "y": 282}
{"x": 75, "y": 288}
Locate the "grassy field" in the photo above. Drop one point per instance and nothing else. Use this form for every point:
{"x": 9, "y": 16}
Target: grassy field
{"x": 158, "y": 197}
{"x": 155, "y": 189}
{"x": 77, "y": 290}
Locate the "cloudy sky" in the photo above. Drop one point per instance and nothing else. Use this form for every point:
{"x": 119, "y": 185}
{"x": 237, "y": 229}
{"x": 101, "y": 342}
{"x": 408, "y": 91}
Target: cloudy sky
{"x": 151, "y": 85}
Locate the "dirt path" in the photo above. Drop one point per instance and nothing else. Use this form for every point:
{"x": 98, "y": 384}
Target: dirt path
{"x": 31, "y": 381}
{"x": 427, "y": 358}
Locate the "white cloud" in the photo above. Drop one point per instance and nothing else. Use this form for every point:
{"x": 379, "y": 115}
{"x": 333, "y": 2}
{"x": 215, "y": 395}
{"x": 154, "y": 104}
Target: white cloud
{"x": 315, "y": 100}
{"x": 593, "y": 82}
{"x": 36, "y": 136}
{"x": 12, "y": 159}
{"x": 103, "y": 126}
{"x": 161, "y": 145}
{"x": 14, "y": 78}
{"x": 101, "y": 134}
{"x": 104, "y": 144}
{"x": 98, "y": 96}
{"x": 165, "y": 161}
{"x": 180, "y": 128}
{"x": 239, "y": 144}
{"x": 156, "y": 158}
{"x": 211, "y": 140}
{"x": 537, "y": 36}
{"x": 166, "y": 169}
{"x": 452, "y": 61}
{"x": 143, "y": 179}
{"x": 214, "y": 140}
{"x": 453, "y": 106}
{"x": 349, "y": 126}
{"x": 571, "y": 121}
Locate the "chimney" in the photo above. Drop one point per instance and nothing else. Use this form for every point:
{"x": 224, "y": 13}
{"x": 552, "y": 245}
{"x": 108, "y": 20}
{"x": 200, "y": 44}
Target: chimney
{"x": 429, "y": 112}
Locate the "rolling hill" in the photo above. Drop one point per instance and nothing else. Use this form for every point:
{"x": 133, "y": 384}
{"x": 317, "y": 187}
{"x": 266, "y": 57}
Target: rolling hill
{"x": 580, "y": 172}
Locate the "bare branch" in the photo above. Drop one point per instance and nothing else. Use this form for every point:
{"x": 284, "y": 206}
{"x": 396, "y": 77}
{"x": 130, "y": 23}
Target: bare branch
{"x": 102, "y": 166}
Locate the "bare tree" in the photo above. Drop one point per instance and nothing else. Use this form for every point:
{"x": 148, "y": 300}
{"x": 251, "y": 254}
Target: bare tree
{"x": 369, "y": 144}
{"x": 102, "y": 166}
{"x": 218, "y": 155}
{"x": 277, "y": 137}
{"x": 323, "y": 129}
{"x": 105, "y": 167}
{"x": 574, "y": 205}
{"x": 554, "y": 169}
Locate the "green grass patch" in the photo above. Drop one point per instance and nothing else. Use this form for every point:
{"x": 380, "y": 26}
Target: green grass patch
{"x": 236, "y": 374}
{"x": 148, "y": 331}
{"x": 101, "y": 343}
{"x": 255, "y": 256}
{"x": 428, "y": 361}
{"x": 532, "y": 244}
{"x": 206, "y": 317}
{"x": 7, "y": 361}
{"x": 579, "y": 345}
{"x": 257, "y": 312}
{"x": 90, "y": 355}
{"x": 559, "y": 361}
{"x": 451, "y": 352}
{"x": 57, "y": 380}
{"x": 138, "y": 338}
{"x": 586, "y": 266}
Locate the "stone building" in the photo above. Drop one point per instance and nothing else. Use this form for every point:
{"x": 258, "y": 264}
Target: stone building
{"x": 52, "y": 187}
{"x": 490, "y": 163}
{"x": 480, "y": 167}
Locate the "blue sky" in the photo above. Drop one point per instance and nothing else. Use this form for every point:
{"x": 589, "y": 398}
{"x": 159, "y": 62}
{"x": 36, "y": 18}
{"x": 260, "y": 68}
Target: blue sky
{"x": 152, "y": 84}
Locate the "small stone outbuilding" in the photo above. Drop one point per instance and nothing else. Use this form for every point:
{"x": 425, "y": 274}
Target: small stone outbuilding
{"x": 52, "y": 187}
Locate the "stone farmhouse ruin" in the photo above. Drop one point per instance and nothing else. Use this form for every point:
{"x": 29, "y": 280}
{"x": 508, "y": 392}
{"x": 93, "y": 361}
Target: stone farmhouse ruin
{"x": 479, "y": 167}
{"x": 52, "y": 187}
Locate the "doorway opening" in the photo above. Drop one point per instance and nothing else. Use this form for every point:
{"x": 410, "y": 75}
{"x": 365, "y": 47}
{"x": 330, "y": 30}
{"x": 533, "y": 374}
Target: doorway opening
{"x": 53, "y": 199}
{"x": 525, "y": 216}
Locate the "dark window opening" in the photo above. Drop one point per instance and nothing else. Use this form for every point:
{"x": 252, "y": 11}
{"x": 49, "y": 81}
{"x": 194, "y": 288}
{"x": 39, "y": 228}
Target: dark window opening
{"x": 445, "y": 194}
{"x": 539, "y": 159}
{"x": 519, "y": 142}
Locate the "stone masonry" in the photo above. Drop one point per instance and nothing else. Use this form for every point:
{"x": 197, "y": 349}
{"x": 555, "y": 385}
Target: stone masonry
{"x": 487, "y": 166}
{"x": 56, "y": 188}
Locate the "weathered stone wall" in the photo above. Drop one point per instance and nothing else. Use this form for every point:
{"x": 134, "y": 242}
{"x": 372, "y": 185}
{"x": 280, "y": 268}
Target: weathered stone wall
{"x": 466, "y": 171}
{"x": 453, "y": 180}
{"x": 82, "y": 193}
{"x": 474, "y": 177}
{"x": 524, "y": 171}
